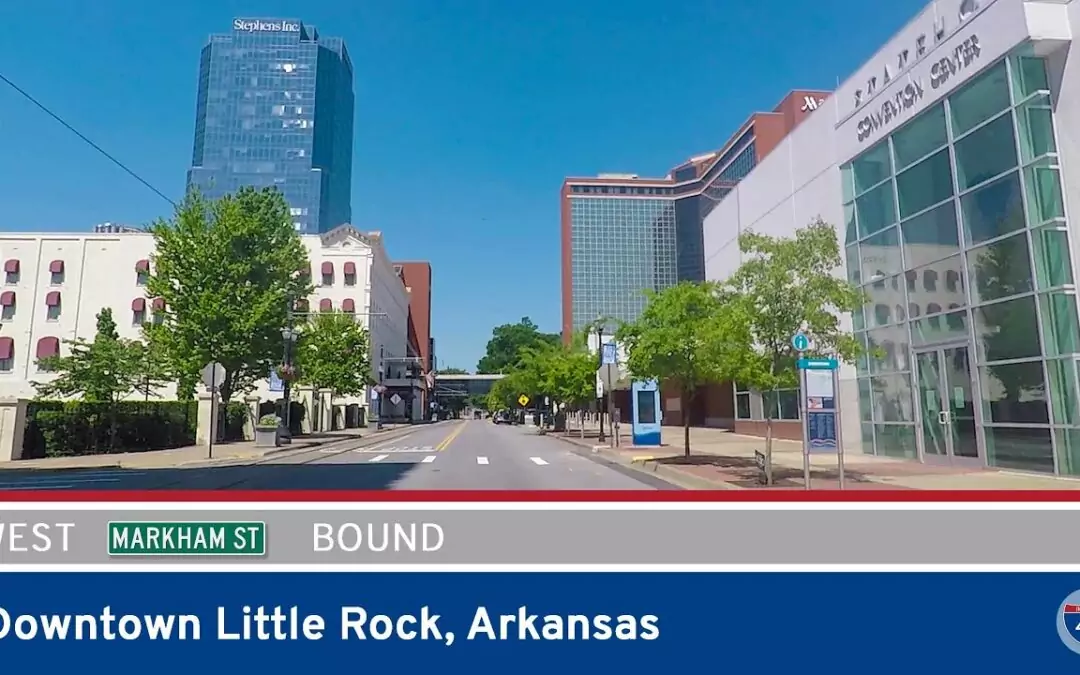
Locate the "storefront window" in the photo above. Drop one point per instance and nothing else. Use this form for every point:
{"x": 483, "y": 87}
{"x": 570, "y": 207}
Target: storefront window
{"x": 986, "y": 153}
{"x": 1035, "y": 120}
{"x": 1053, "y": 266}
{"x": 978, "y": 101}
{"x": 925, "y": 184}
{"x": 1043, "y": 182}
{"x": 931, "y": 236}
{"x": 1000, "y": 270}
{"x": 924, "y": 135}
{"x": 876, "y": 209}
{"x": 1061, "y": 326}
{"x": 993, "y": 210}
{"x": 983, "y": 221}
{"x": 872, "y": 167}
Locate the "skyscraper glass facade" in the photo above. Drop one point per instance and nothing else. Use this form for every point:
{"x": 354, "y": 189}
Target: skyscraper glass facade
{"x": 275, "y": 109}
{"x": 620, "y": 247}
{"x": 956, "y": 229}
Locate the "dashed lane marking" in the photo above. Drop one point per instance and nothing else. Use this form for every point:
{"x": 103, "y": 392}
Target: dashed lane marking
{"x": 379, "y": 458}
{"x": 537, "y": 461}
{"x": 481, "y": 460}
{"x": 428, "y": 460}
{"x": 389, "y": 449}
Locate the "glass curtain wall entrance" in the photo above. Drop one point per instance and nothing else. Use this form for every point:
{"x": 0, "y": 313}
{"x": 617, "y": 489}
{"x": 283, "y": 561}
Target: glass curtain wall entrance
{"x": 956, "y": 230}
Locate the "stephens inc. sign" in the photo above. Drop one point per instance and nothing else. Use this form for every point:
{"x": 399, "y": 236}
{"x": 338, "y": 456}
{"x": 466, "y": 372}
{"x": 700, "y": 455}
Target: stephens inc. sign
{"x": 257, "y": 26}
{"x": 950, "y": 65}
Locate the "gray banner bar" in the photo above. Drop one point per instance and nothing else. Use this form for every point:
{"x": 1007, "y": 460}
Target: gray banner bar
{"x": 579, "y": 537}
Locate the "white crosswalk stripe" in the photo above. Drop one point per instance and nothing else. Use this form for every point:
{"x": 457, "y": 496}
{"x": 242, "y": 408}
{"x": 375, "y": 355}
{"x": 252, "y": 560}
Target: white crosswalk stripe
{"x": 384, "y": 450}
{"x": 429, "y": 459}
{"x": 481, "y": 460}
{"x": 537, "y": 461}
{"x": 379, "y": 458}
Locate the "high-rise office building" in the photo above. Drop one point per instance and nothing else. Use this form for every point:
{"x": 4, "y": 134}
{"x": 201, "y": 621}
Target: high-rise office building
{"x": 622, "y": 234}
{"x": 275, "y": 108}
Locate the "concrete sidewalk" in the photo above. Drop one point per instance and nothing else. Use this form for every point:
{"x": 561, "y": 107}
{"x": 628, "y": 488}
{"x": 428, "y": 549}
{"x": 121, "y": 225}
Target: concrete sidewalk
{"x": 195, "y": 454}
{"x": 722, "y": 460}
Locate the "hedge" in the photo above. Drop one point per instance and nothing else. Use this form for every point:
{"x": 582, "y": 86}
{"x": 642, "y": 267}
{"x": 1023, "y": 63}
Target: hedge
{"x": 69, "y": 428}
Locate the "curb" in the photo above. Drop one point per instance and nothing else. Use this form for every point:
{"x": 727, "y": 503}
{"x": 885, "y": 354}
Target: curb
{"x": 650, "y": 467}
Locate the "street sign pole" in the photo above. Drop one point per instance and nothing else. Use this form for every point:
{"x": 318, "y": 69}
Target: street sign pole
{"x": 839, "y": 429}
{"x": 804, "y": 411}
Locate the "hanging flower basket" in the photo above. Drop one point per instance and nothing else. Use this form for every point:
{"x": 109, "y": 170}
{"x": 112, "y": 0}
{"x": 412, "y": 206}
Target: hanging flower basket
{"x": 287, "y": 373}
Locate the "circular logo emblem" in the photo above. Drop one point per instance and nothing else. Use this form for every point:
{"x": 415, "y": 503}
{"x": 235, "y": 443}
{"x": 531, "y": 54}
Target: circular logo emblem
{"x": 1068, "y": 622}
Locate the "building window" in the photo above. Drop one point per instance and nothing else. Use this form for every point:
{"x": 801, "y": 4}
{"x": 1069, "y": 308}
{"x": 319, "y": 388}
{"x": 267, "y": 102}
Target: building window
{"x": 742, "y": 402}
{"x": 7, "y": 305}
{"x": 783, "y": 404}
{"x": 56, "y": 272}
{"x": 138, "y": 311}
{"x": 7, "y": 354}
{"x": 142, "y": 272}
{"x": 11, "y": 272}
{"x": 47, "y": 347}
{"x": 52, "y": 305}
{"x": 327, "y": 273}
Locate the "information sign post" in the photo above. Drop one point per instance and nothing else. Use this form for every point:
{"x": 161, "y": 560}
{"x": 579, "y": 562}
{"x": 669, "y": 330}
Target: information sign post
{"x": 821, "y": 419}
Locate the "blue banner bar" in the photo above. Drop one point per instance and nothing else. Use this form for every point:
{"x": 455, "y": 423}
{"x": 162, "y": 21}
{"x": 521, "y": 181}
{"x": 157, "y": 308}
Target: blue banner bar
{"x": 546, "y": 623}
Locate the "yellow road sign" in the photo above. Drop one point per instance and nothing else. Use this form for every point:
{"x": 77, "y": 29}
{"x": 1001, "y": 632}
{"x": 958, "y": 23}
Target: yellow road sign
{"x": 523, "y": 400}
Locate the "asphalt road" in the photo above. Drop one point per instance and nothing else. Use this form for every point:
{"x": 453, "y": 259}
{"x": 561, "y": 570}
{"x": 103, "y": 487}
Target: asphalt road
{"x": 458, "y": 455}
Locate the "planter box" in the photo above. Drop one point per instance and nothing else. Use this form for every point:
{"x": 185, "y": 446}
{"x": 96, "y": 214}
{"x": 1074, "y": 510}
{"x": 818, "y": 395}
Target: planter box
{"x": 267, "y": 437}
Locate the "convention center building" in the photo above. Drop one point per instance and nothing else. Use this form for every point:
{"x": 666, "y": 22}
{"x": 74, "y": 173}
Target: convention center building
{"x": 944, "y": 162}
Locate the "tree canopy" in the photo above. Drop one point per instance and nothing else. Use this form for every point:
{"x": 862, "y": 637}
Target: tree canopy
{"x": 451, "y": 371}
{"x": 333, "y": 352}
{"x": 786, "y": 285}
{"x": 504, "y": 349}
{"x": 103, "y": 370}
{"x": 685, "y": 336}
{"x": 228, "y": 273}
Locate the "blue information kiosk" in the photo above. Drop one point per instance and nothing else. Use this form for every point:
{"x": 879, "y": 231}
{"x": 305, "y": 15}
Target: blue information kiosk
{"x": 646, "y": 410}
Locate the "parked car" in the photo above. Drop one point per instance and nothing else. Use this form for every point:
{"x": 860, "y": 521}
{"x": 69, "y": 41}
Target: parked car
{"x": 502, "y": 418}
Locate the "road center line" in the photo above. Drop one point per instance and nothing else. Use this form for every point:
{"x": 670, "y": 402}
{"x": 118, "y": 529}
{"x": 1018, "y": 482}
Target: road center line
{"x": 481, "y": 460}
{"x": 538, "y": 461}
{"x": 379, "y": 458}
{"x": 429, "y": 459}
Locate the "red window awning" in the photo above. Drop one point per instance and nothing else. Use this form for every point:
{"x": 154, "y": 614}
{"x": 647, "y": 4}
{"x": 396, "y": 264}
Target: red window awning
{"x": 56, "y": 267}
{"x": 7, "y": 298}
{"x": 52, "y": 299}
{"x": 326, "y": 305}
{"x": 7, "y": 347}
{"x": 348, "y": 305}
{"x": 11, "y": 266}
{"x": 159, "y": 304}
{"x": 138, "y": 305}
{"x": 142, "y": 266}
{"x": 48, "y": 346}
{"x": 328, "y": 269}
{"x": 350, "y": 269}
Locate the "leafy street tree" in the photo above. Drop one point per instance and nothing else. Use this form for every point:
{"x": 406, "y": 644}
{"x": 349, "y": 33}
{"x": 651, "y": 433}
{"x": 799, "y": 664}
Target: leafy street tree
{"x": 504, "y": 350}
{"x": 228, "y": 272}
{"x": 334, "y": 353}
{"x": 451, "y": 371}
{"x": 104, "y": 370}
{"x": 785, "y": 285}
{"x": 686, "y": 336}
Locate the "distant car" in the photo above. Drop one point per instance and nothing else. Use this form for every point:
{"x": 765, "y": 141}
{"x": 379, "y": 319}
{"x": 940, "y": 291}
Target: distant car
{"x": 502, "y": 418}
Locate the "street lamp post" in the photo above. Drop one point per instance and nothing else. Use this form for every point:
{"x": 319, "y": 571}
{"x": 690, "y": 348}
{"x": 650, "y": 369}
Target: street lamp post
{"x": 599, "y": 361}
{"x": 381, "y": 389}
{"x": 288, "y": 336}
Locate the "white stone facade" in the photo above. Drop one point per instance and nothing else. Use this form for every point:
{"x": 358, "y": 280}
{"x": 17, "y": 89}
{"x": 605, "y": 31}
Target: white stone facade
{"x": 55, "y": 284}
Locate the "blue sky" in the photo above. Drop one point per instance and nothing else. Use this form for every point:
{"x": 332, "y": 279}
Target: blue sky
{"x": 469, "y": 115}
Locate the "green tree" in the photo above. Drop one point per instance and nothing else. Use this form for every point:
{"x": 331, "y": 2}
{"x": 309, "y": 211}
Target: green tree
{"x": 786, "y": 285}
{"x": 451, "y": 371}
{"x": 228, "y": 272}
{"x": 333, "y": 352}
{"x": 504, "y": 349}
{"x": 686, "y": 336}
{"x": 103, "y": 370}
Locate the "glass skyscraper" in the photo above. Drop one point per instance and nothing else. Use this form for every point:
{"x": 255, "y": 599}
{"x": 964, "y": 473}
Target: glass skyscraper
{"x": 275, "y": 108}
